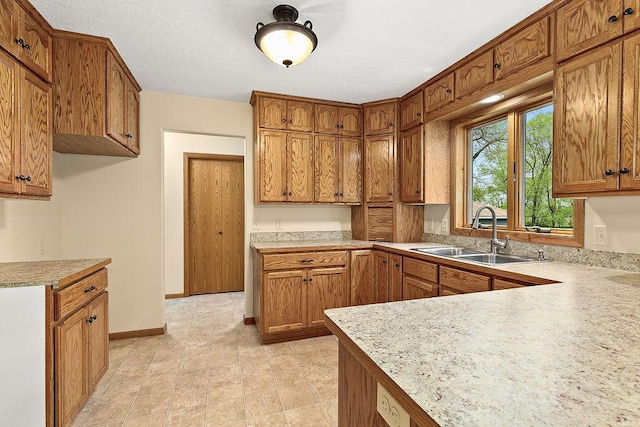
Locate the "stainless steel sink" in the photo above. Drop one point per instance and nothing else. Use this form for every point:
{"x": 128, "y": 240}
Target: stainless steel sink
{"x": 494, "y": 258}
{"x": 448, "y": 252}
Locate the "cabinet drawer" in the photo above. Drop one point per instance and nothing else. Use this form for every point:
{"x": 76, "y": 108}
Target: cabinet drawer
{"x": 506, "y": 284}
{"x": 463, "y": 280}
{"x": 76, "y": 295}
{"x": 422, "y": 269}
{"x": 303, "y": 259}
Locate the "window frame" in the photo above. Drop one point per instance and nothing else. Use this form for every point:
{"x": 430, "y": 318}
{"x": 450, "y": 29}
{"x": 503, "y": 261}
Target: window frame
{"x": 513, "y": 110}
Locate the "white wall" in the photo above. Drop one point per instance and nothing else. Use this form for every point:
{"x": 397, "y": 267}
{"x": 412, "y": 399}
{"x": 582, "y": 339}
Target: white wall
{"x": 175, "y": 145}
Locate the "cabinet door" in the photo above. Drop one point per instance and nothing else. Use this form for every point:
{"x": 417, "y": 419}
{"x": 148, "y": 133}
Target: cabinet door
{"x": 326, "y": 288}
{"x": 583, "y": 24}
{"x": 300, "y": 167}
{"x": 525, "y": 48}
{"x": 350, "y": 170}
{"x": 379, "y": 151}
{"x": 9, "y": 11}
{"x": 37, "y": 50}
{"x": 363, "y": 287}
{"x": 380, "y": 119}
{"x": 499, "y": 284}
{"x": 132, "y": 118}
{"x": 300, "y": 116}
{"x": 413, "y": 288}
{"x": 272, "y": 113}
{"x": 326, "y": 119}
{"x": 36, "y": 135}
{"x": 9, "y": 146}
{"x": 630, "y": 145}
{"x": 70, "y": 369}
{"x": 272, "y": 172}
{"x": 587, "y": 123}
{"x": 97, "y": 341}
{"x": 381, "y": 275}
{"x": 631, "y": 15}
{"x": 116, "y": 86}
{"x": 439, "y": 93}
{"x": 395, "y": 278}
{"x": 474, "y": 75}
{"x": 350, "y": 120}
{"x": 412, "y": 166}
{"x": 285, "y": 301}
{"x": 326, "y": 169}
{"x": 411, "y": 111}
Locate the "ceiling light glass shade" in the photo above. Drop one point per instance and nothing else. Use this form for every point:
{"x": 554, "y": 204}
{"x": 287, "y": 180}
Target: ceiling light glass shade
{"x": 285, "y": 42}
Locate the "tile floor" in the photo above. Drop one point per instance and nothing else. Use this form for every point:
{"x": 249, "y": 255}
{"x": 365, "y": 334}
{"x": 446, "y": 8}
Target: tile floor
{"x": 210, "y": 370}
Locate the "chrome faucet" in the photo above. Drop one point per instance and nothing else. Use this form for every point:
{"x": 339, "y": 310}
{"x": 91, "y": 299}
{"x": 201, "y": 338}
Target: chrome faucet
{"x": 496, "y": 245}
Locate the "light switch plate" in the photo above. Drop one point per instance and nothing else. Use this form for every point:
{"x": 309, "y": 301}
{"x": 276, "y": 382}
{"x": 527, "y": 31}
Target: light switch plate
{"x": 600, "y": 235}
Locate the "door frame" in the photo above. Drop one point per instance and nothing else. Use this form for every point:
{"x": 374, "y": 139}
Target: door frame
{"x": 185, "y": 204}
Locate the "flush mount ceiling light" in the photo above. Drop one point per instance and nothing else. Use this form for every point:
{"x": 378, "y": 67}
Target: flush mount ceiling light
{"x": 493, "y": 98}
{"x": 285, "y": 42}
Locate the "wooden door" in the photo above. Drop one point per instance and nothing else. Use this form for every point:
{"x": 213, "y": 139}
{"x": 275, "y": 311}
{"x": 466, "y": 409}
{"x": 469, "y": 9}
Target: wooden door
{"x": 116, "y": 84}
{"x": 380, "y": 119}
{"x": 523, "y": 49}
{"x": 631, "y": 15}
{"x": 412, "y": 166}
{"x": 350, "y": 170}
{"x": 272, "y": 168}
{"x": 9, "y": 145}
{"x": 272, "y": 113}
{"x": 299, "y": 167}
{"x": 97, "y": 341}
{"x": 326, "y": 169}
{"x": 474, "y": 75}
{"x": 70, "y": 367}
{"x": 36, "y": 135}
{"x": 587, "y": 123}
{"x": 630, "y": 144}
{"x": 364, "y": 289}
{"x": 132, "y": 127}
{"x": 326, "y": 119}
{"x": 411, "y": 111}
{"x": 9, "y": 11}
{"x": 285, "y": 301}
{"x": 37, "y": 49}
{"x": 439, "y": 94}
{"x": 214, "y": 236}
{"x": 350, "y": 120}
{"x": 395, "y": 277}
{"x": 381, "y": 275}
{"x": 583, "y": 24}
{"x": 379, "y": 154}
{"x": 300, "y": 116}
{"x": 413, "y": 288}
{"x": 326, "y": 288}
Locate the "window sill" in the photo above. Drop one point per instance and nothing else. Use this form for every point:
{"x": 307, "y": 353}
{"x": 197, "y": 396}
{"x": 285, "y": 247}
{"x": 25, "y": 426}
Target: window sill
{"x": 524, "y": 236}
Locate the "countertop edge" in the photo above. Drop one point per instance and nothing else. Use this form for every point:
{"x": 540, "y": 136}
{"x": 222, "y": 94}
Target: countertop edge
{"x": 82, "y": 273}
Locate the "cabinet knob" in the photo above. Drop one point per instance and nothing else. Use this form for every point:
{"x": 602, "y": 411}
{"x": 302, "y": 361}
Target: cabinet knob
{"x": 290, "y": 193}
{"x": 92, "y": 318}
{"x": 390, "y": 124}
{"x": 496, "y": 65}
{"x": 612, "y": 18}
{"x": 27, "y": 178}
{"x": 304, "y": 280}
{"x": 336, "y": 194}
{"x": 311, "y": 280}
{"x": 391, "y": 194}
{"x": 129, "y": 136}
{"x": 417, "y": 191}
{"x": 397, "y": 265}
{"x": 21, "y": 177}
{"x": 91, "y": 289}
{"x": 337, "y": 126}
{"x": 284, "y": 193}
{"x": 341, "y": 126}
{"x": 341, "y": 194}
{"x": 448, "y": 90}
{"x": 384, "y": 262}
{"x": 220, "y": 232}
{"x": 20, "y": 42}
{"x": 418, "y": 114}
{"x": 284, "y": 120}
{"x": 290, "y": 121}
{"x": 624, "y": 171}
{"x": 628, "y": 11}
{"x": 609, "y": 172}
{"x": 27, "y": 47}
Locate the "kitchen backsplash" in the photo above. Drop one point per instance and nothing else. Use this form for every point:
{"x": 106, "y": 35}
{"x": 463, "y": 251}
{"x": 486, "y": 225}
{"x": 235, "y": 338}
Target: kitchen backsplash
{"x": 620, "y": 261}
{"x": 300, "y": 235}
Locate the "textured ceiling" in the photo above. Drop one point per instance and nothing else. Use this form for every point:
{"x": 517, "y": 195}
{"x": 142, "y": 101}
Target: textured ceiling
{"x": 367, "y": 49}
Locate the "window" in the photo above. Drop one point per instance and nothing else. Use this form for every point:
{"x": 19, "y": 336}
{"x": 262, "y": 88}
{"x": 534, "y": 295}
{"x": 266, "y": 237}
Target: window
{"x": 505, "y": 153}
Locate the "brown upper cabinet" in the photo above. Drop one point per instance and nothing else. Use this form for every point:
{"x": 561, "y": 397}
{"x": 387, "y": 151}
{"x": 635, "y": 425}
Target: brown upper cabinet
{"x": 439, "y": 94}
{"x": 474, "y": 75}
{"x": 411, "y": 111}
{"x": 380, "y": 119}
{"x": 25, "y": 132}
{"x": 278, "y": 113}
{"x": 379, "y": 161}
{"x": 334, "y": 120}
{"x": 596, "y": 143}
{"x": 584, "y": 24}
{"x": 96, "y": 108}
{"x": 338, "y": 170}
{"x": 24, "y": 34}
{"x": 523, "y": 49}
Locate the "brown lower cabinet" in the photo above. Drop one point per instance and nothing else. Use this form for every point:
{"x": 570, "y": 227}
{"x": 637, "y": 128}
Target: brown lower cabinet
{"x": 420, "y": 279}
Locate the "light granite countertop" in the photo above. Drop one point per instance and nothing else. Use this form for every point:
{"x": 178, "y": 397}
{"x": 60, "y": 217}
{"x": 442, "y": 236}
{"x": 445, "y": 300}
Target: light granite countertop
{"x": 565, "y": 354}
{"x": 47, "y": 273}
{"x": 310, "y": 245}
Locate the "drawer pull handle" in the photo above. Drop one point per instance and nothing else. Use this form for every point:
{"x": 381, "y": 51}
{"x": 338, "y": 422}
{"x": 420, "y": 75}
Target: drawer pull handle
{"x": 306, "y": 261}
{"x": 91, "y": 289}
{"x": 92, "y": 318}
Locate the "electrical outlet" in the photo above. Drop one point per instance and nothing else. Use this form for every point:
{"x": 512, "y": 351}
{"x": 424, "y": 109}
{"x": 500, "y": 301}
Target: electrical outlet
{"x": 600, "y": 235}
{"x": 256, "y": 223}
{"x": 429, "y": 225}
{"x": 278, "y": 223}
{"x": 445, "y": 226}
{"x": 390, "y": 409}
{"x": 41, "y": 247}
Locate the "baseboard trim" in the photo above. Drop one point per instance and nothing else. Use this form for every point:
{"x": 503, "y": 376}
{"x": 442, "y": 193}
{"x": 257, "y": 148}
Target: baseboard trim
{"x": 138, "y": 334}
{"x": 249, "y": 320}
{"x": 173, "y": 296}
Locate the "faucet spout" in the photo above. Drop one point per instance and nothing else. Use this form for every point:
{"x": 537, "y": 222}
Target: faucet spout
{"x": 496, "y": 244}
